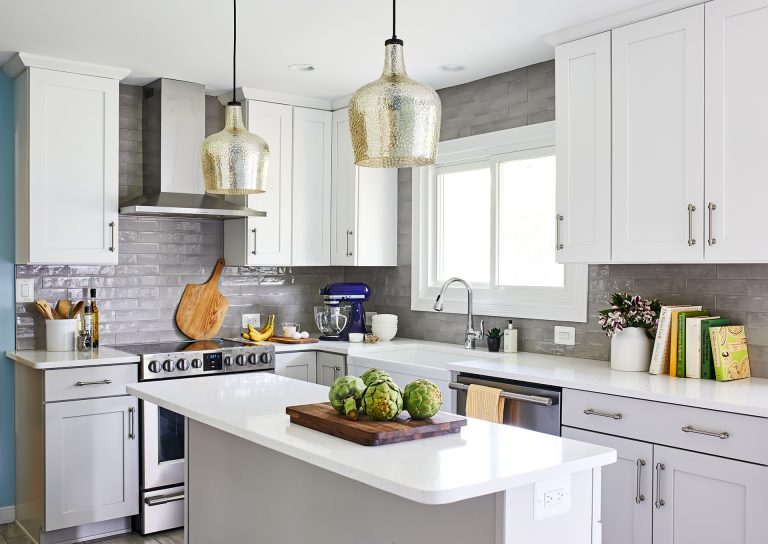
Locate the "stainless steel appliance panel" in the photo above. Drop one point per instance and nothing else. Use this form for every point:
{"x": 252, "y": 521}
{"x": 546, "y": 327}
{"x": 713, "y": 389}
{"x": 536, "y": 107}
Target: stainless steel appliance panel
{"x": 529, "y": 406}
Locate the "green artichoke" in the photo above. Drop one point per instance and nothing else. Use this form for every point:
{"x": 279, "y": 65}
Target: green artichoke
{"x": 383, "y": 400}
{"x": 346, "y": 395}
{"x": 422, "y": 399}
{"x": 373, "y": 375}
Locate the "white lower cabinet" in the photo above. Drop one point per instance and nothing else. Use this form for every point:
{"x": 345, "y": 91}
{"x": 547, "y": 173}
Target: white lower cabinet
{"x": 664, "y": 495}
{"x": 330, "y": 366}
{"x": 91, "y": 461}
{"x": 300, "y": 365}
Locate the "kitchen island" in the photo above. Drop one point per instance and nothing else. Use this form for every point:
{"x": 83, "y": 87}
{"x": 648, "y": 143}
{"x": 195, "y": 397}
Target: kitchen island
{"x": 252, "y": 476}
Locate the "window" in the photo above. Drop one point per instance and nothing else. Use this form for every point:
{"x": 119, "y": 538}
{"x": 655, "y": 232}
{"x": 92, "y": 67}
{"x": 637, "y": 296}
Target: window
{"x": 485, "y": 213}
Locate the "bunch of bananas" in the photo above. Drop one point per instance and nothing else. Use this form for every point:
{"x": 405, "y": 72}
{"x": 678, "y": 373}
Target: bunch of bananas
{"x": 260, "y": 335}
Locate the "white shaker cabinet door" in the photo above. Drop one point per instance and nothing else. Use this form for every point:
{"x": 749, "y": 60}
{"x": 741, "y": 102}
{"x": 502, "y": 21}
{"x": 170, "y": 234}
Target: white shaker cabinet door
{"x": 658, "y": 139}
{"x": 270, "y": 237}
{"x": 300, "y": 365}
{"x": 311, "y": 229}
{"x": 67, "y": 167}
{"x": 627, "y": 502}
{"x": 330, "y": 367}
{"x": 91, "y": 461}
{"x": 583, "y": 135}
{"x": 736, "y": 158}
{"x": 344, "y": 234}
{"x": 708, "y": 499}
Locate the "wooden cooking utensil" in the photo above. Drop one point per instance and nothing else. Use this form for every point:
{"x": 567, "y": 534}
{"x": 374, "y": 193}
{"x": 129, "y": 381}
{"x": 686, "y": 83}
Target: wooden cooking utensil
{"x": 44, "y": 309}
{"x": 202, "y": 307}
{"x": 76, "y": 309}
{"x": 63, "y": 307}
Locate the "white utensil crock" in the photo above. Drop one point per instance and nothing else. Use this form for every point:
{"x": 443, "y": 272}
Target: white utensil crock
{"x": 631, "y": 350}
{"x": 60, "y": 334}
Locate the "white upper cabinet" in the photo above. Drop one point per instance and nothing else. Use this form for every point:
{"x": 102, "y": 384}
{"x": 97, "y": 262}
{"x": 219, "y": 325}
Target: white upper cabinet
{"x": 66, "y": 161}
{"x": 736, "y": 158}
{"x": 583, "y": 137}
{"x": 364, "y": 206}
{"x": 266, "y": 240}
{"x": 658, "y": 139}
{"x": 311, "y": 228}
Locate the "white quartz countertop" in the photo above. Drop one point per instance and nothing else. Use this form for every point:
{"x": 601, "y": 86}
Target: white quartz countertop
{"x": 48, "y": 360}
{"x": 748, "y": 396}
{"x": 483, "y": 458}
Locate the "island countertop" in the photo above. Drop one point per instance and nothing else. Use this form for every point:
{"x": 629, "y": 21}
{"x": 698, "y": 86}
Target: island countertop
{"x": 483, "y": 458}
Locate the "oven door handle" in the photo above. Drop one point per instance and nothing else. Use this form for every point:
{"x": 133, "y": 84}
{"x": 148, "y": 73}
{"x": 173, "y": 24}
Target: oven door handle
{"x": 164, "y": 499}
{"x": 531, "y": 399}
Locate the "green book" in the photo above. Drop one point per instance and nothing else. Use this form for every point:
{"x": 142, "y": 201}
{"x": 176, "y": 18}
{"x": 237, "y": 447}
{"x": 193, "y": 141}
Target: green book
{"x": 707, "y": 363}
{"x": 681, "y": 317}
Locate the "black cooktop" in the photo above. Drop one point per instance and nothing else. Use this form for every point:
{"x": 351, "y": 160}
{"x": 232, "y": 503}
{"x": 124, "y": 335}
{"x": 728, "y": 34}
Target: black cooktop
{"x": 178, "y": 347}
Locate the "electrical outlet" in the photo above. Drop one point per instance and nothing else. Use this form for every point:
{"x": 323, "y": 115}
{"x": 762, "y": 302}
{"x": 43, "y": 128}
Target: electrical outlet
{"x": 552, "y": 498}
{"x": 25, "y": 290}
{"x": 565, "y": 335}
{"x": 251, "y": 319}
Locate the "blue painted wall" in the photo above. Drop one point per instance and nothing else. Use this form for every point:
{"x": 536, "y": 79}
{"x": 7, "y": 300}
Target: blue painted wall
{"x": 7, "y": 259}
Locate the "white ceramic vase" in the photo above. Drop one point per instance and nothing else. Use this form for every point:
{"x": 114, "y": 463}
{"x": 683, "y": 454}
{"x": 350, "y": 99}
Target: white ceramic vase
{"x": 631, "y": 350}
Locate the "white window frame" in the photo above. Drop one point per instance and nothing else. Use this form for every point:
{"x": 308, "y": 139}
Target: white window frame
{"x": 567, "y": 303}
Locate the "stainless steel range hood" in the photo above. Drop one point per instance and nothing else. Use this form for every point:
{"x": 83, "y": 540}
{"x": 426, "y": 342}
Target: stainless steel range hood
{"x": 174, "y": 129}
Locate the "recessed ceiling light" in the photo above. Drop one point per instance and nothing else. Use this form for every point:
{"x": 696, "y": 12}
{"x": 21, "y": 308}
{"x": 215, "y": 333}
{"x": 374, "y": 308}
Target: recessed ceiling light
{"x": 451, "y": 67}
{"x": 301, "y": 67}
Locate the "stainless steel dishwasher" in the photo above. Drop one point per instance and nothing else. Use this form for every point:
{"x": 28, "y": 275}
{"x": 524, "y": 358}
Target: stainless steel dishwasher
{"x": 530, "y": 406}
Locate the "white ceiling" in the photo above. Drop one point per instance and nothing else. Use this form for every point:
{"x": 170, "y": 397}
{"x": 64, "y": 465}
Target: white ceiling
{"x": 191, "y": 39}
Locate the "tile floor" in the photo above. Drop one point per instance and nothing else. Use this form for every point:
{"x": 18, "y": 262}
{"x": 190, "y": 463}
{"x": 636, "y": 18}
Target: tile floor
{"x": 11, "y": 534}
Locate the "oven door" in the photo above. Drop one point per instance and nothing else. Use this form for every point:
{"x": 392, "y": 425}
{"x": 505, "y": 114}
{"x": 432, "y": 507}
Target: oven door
{"x": 162, "y": 433}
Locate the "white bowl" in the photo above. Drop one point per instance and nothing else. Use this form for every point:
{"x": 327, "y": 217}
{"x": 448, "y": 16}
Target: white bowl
{"x": 385, "y": 316}
{"x": 384, "y": 333}
{"x": 356, "y": 337}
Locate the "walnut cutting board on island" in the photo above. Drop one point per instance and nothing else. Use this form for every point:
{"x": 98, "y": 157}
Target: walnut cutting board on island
{"x": 202, "y": 307}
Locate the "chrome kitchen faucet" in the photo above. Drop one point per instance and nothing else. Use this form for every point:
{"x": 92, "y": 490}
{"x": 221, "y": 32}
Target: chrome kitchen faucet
{"x": 472, "y": 335}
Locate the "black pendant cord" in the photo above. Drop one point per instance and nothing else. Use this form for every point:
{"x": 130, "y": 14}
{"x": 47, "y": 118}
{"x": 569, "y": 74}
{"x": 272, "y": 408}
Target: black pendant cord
{"x": 234, "y": 101}
{"x": 394, "y": 39}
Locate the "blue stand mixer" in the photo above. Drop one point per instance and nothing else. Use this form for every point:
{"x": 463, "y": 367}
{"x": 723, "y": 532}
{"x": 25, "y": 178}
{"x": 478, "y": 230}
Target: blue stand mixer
{"x": 343, "y": 312}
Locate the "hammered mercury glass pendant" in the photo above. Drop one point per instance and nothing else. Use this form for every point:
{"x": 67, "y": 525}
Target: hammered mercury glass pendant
{"x": 234, "y": 160}
{"x": 394, "y": 121}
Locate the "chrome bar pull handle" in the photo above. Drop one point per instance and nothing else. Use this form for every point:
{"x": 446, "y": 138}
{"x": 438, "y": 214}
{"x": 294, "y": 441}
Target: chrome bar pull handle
{"x": 253, "y": 251}
{"x": 659, "y": 501}
{"x": 689, "y": 429}
{"x": 97, "y": 382}
{"x": 530, "y": 399}
{"x": 164, "y": 499}
{"x": 349, "y": 234}
{"x": 112, "y": 247}
{"x": 691, "y": 240}
{"x": 710, "y": 239}
{"x": 131, "y": 423}
{"x": 591, "y": 412}
{"x": 558, "y": 243}
{"x": 639, "y": 464}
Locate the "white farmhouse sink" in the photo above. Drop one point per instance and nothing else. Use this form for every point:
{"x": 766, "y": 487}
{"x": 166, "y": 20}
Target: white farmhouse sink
{"x": 408, "y": 364}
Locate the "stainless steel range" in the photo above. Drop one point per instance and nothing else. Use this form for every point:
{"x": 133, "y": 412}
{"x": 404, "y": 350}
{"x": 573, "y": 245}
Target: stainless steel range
{"x": 161, "y": 432}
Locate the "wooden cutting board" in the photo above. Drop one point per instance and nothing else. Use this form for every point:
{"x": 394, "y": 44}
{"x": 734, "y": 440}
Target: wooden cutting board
{"x": 286, "y": 340}
{"x": 202, "y": 307}
{"x": 366, "y": 432}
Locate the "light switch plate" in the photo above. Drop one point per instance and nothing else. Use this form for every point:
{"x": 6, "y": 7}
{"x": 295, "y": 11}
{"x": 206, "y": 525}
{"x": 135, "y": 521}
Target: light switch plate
{"x": 565, "y": 336}
{"x": 25, "y": 290}
{"x": 251, "y": 319}
{"x": 552, "y": 498}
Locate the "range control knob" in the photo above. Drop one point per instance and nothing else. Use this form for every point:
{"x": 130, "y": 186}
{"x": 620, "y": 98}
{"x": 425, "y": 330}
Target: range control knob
{"x": 252, "y": 359}
{"x": 154, "y": 366}
{"x": 182, "y": 364}
{"x": 240, "y": 360}
{"x": 265, "y": 358}
{"x": 227, "y": 361}
{"x": 196, "y": 363}
{"x": 168, "y": 365}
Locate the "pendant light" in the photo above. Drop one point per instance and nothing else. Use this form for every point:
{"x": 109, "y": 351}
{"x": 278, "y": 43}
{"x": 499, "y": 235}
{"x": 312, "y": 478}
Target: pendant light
{"x": 395, "y": 121}
{"x": 234, "y": 160}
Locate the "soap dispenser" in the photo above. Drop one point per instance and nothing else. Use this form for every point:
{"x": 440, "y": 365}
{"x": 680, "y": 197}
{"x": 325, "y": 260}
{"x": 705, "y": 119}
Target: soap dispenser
{"x": 510, "y": 338}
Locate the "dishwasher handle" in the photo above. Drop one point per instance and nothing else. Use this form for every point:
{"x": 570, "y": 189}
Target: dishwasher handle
{"x": 531, "y": 399}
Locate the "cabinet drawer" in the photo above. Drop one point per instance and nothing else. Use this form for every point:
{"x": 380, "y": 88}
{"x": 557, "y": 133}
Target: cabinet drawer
{"x": 662, "y": 423}
{"x": 89, "y": 382}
